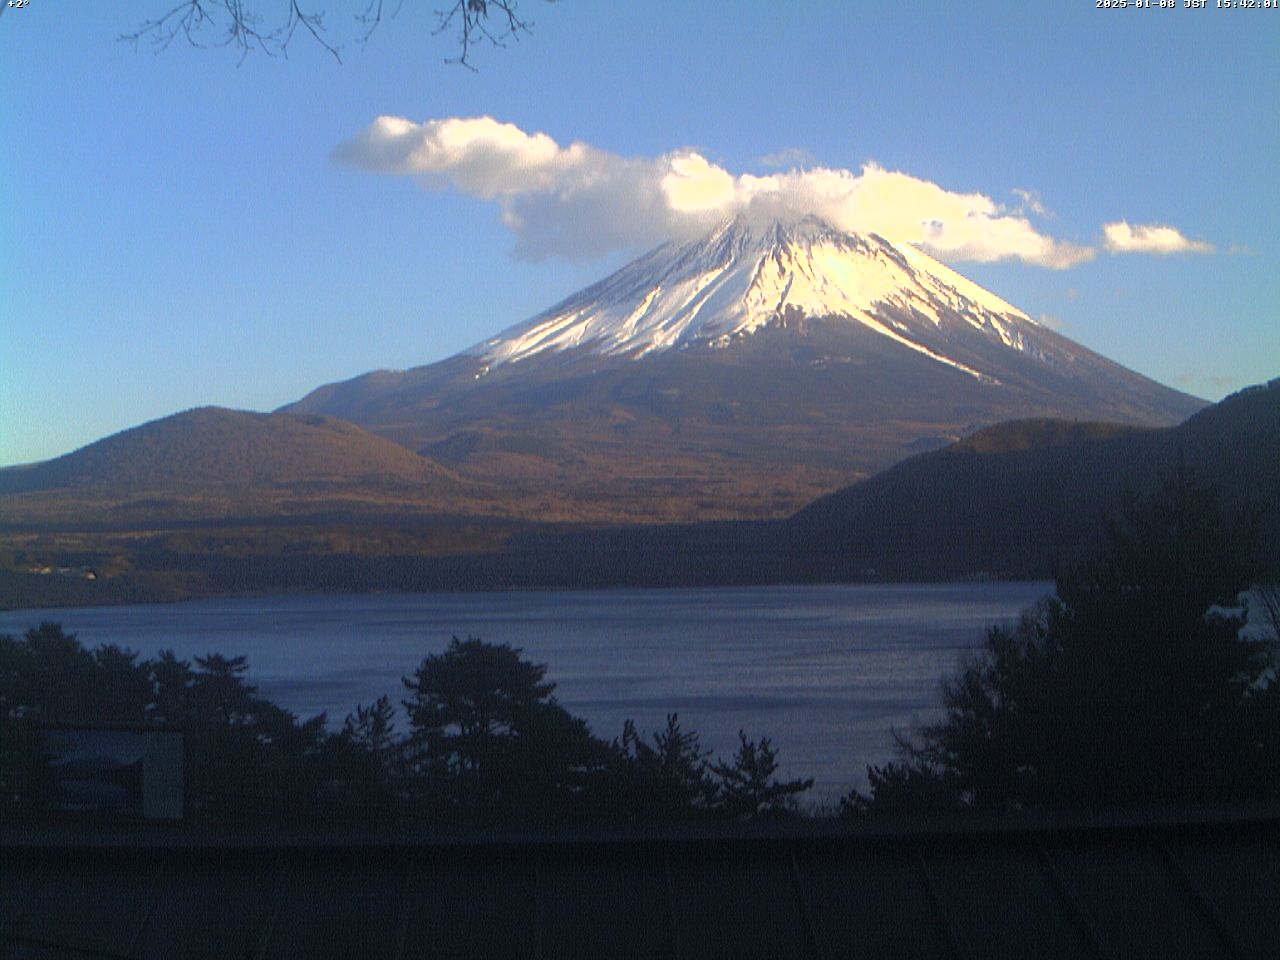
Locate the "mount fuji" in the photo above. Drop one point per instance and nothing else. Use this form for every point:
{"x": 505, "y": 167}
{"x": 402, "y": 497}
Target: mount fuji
{"x": 739, "y": 375}
{"x": 739, "y": 280}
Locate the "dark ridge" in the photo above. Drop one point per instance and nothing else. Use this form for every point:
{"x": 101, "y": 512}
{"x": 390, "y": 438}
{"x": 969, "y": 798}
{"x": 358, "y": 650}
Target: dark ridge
{"x": 1013, "y": 501}
{"x": 1020, "y": 497}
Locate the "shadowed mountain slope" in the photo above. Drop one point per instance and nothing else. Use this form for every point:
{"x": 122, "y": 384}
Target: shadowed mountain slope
{"x": 1011, "y": 501}
{"x": 740, "y": 376}
{"x": 1017, "y": 498}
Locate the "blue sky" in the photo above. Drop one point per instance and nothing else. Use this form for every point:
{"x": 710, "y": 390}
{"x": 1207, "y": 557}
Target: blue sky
{"x": 174, "y": 229}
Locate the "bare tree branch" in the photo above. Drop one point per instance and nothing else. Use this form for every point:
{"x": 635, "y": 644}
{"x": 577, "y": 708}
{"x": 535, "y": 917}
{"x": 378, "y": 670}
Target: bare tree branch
{"x": 237, "y": 24}
{"x": 313, "y": 23}
{"x": 471, "y": 19}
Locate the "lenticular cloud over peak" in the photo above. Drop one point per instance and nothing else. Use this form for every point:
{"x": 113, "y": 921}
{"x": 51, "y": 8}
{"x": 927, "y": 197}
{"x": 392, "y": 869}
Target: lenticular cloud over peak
{"x": 579, "y": 201}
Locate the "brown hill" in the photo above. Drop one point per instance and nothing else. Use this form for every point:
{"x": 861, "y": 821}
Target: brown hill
{"x": 211, "y": 447}
{"x": 1015, "y": 499}
{"x": 1011, "y": 501}
{"x": 212, "y": 462}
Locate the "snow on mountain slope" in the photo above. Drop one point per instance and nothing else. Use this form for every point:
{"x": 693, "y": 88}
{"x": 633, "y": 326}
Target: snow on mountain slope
{"x": 739, "y": 375}
{"x": 744, "y": 276}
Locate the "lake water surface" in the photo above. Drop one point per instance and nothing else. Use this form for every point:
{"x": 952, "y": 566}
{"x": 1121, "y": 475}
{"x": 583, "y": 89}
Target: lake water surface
{"x": 827, "y": 672}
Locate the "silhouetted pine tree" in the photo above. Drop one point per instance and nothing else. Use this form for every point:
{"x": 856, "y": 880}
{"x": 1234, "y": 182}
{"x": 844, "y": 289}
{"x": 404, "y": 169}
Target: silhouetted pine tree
{"x": 749, "y": 786}
{"x": 1133, "y": 684}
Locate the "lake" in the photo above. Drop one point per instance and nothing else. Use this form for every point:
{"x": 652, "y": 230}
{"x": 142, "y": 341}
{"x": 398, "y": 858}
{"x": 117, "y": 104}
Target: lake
{"x": 827, "y": 672}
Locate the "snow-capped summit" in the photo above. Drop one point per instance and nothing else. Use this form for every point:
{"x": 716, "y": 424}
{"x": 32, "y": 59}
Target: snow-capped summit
{"x": 739, "y": 375}
{"x": 744, "y": 276}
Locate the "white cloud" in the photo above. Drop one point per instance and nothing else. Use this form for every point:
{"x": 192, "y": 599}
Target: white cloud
{"x": 579, "y": 201}
{"x": 479, "y": 155}
{"x": 1121, "y": 237}
{"x": 791, "y": 157}
{"x": 1031, "y": 202}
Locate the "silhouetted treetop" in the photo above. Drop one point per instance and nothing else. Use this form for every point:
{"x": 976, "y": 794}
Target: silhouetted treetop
{"x": 749, "y": 786}
{"x": 487, "y": 743}
{"x": 1169, "y": 555}
{"x": 1135, "y": 684}
{"x": 475, "y": 690}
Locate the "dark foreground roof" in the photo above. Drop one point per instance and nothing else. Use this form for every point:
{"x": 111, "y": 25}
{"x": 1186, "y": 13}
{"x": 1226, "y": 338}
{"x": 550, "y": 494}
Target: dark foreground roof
{"x": 1119, "y": 887}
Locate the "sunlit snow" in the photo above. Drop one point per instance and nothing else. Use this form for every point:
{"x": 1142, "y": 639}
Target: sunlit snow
{"x": 743, "y": 277}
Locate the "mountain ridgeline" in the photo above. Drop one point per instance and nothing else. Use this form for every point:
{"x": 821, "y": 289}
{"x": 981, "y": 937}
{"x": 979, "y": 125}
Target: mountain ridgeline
{"x": 1019, "y": 498}
{"x": 769, "y": 404}
{"x": 214, "y": 447}
{"x": 740, "y": 376}
{"x": 1014, "y": 501}
{"x": 213, "y": 464}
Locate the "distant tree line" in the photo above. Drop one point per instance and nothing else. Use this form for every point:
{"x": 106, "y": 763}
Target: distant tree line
{"x": 486, "y": 742}
{"x": 1136, "y": 684}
